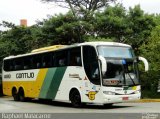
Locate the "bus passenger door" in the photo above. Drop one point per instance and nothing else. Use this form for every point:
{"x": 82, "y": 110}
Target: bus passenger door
{"x": 92, "y": 72}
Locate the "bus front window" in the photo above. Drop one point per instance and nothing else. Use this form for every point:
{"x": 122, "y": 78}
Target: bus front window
{"x": 115, "y": 52}
{"x": 122, "y": 66}
{"x": 121, "y": 74}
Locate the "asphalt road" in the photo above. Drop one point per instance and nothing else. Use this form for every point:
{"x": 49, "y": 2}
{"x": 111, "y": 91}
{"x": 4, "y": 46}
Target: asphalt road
{"x": 66, "y": 111}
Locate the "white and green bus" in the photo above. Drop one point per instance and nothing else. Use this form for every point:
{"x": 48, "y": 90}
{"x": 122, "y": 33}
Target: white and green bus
{"x": 90, "y": 72}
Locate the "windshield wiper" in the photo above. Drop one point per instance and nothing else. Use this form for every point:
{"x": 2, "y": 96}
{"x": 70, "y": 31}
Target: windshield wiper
{"x": 131, "y": 78}
{"x": 126, "y": 71}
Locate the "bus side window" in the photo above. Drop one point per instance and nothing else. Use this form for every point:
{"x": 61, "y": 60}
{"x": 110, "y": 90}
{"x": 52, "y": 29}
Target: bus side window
{"x": 78, "y": 61}
{"x": 18, "y": 64}
{"x": 6, "y": 65}
{"x": 27, "y": 63}
{"x": 36, "y": 62}
{"x": 61, "y": 58}
{"x": 53, "y": 59}
{"x": 11, "y": 66}
{"x": 75, "y": 57}
{"x": 47, "y": 60}
{"x": 61, "y": 62}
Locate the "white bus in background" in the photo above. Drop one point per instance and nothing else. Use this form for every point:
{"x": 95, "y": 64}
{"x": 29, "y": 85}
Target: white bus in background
{"x": 90, "y": 72}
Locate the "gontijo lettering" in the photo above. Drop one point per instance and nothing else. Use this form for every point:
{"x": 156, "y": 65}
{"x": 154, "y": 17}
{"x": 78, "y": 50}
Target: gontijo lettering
{"x": 25, "y": 75}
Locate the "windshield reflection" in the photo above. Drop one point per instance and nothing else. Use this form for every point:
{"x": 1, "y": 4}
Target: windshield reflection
{"x": 120, "y": 74}
{"x": 115, "y": 52}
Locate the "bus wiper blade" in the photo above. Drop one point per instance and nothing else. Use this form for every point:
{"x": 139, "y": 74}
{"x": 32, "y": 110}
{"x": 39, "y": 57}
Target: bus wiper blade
{"x": 131, "y": 79}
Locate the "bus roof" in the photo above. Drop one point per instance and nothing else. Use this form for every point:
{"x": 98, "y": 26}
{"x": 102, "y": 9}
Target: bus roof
{"x": 50, "y": 48}
{"x": 58, "y": 47}
{"x": 104, "y": 43}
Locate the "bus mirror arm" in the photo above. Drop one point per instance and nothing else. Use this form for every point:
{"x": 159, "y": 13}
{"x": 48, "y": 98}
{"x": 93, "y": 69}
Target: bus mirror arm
{"x": 145, "y": 63}
{"x": 103, "y": 64}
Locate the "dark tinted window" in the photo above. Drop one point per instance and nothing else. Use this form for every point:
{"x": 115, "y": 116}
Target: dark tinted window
{"x": 91, "y": 64}
{"x": 37, "y": 61}
{"x": 69, "y": 57}
{"x": 18, "y": 64}
{"x": 27, "y": 62}
{"x": 75, "y": 57}
{"x": 47, "y": 60}
{"x": 7, "y": 65}
{"x": 61, "y": 58}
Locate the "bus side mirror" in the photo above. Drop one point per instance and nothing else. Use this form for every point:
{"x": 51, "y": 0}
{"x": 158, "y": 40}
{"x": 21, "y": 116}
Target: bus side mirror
{"x": 103, "y": 64}
{"x": 145, "y": 63}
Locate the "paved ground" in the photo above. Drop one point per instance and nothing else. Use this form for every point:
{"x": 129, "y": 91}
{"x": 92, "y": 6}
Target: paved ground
{"x": 8, "y": 105}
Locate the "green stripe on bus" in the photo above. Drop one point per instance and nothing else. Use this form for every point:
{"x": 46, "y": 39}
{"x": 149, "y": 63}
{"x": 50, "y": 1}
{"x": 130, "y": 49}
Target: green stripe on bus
{"x": 47, "y": 82}
{"x": 56, "y": 81}
{"x": 52, "y": 84}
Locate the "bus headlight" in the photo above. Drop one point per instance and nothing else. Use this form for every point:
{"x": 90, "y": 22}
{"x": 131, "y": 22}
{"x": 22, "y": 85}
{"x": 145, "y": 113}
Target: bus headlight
{"x": 109, "y": 92}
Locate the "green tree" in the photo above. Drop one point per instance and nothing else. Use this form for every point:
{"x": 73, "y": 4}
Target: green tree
{"x": 19, "y": 40}
{"x": 62, "y": 29}
{"x": 132, "y": 27}
{"x": 7, "y": 24}
{"x": 111, "y": 23}
{"x": 140, "y": 25}
{"x": 150, "y": 50}
{"x": 82, "y": 11}
{"x": 157, "y": 19}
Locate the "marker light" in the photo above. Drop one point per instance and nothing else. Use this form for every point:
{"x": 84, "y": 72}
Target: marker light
{"x": 123, "y": 62}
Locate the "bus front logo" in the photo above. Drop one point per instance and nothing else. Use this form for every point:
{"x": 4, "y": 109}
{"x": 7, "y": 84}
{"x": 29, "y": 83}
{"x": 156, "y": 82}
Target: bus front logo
{"x": 91, "y": 95}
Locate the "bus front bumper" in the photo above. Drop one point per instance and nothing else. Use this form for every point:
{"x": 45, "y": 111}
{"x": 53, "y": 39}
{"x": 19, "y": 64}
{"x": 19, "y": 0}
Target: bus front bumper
{"x": 120, "y": 98}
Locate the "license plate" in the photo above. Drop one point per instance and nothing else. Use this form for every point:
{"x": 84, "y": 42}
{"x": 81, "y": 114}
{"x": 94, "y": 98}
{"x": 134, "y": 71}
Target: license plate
{"x": 124, "y": 98}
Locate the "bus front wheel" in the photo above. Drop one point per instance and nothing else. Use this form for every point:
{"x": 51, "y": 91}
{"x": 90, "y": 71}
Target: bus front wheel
{"x": 75, "y": 98}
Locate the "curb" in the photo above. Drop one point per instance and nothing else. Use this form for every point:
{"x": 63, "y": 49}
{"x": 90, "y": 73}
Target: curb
{"x": 147, "y": 100}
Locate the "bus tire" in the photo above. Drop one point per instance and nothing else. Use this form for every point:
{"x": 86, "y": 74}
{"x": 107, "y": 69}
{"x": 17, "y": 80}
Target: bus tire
{"x": 108, "y": 105}
{"x": 21, "y": 95}
{"x": 75, "y": 98}
{"x": 15, "y": 94}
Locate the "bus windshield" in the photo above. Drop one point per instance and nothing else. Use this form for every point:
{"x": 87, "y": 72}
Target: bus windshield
{"x": 117, "y": 52}
{"x": 122, "y": 66}
{"x": 121, "y": 72}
